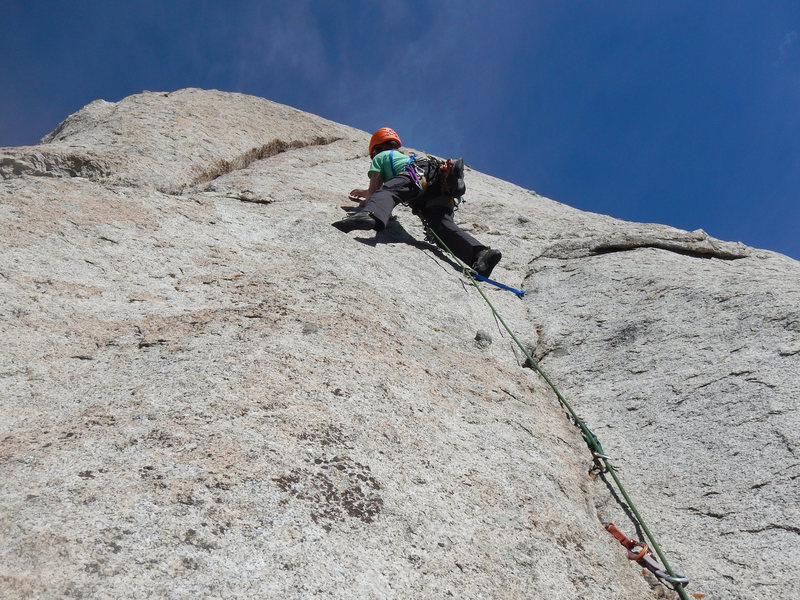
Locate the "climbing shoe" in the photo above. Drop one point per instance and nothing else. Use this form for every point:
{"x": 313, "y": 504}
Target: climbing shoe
{"x": 358, "y": 220}
{"x": 486, "y": 260}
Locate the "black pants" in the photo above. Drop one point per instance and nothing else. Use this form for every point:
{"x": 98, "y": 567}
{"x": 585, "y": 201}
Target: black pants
{"x": 440, "y": 219}
{"x": 402, "y": 188}
{"x": 437, "y": 214}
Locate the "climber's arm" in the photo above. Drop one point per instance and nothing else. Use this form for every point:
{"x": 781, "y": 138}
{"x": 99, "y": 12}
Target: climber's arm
{"x": 375, "y": 182}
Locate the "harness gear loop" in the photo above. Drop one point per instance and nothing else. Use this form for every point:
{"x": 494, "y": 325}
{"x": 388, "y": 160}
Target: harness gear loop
{"x": 416, "y": 173}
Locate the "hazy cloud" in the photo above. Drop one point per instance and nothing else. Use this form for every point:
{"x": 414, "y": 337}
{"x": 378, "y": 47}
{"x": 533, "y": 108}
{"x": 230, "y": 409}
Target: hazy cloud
{"x": 280, "y": 43}
{"x": 788, "y": 44}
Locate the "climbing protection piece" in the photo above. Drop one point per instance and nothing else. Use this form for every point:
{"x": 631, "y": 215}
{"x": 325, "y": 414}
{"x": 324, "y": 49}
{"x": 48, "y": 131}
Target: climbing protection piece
{"x": 479, "y": 277}
{"x": 644, "y": 557}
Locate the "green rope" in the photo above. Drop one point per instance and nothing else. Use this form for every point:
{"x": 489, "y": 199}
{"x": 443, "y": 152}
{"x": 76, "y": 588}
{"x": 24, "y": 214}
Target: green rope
{"x": 591, "y": 439}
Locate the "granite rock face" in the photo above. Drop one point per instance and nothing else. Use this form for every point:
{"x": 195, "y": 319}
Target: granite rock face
{"x": 208, "y": 391}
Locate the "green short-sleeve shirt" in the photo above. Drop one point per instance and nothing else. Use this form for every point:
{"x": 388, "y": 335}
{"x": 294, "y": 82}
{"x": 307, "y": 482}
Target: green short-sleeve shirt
{"x": 384, "y": 161}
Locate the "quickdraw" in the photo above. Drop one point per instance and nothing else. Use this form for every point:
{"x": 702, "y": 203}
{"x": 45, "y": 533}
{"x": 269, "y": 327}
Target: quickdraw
{"x": 416, "y": 175}
{"x": 502, "y": 286}
{"x": 645, "y": 557}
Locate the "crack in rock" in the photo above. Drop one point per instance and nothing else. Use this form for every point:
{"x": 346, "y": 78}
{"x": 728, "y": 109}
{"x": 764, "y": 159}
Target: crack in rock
{"x": 773, "y": 526}
{"x": 696, "y": 244}
{"x": 276, "y": 146}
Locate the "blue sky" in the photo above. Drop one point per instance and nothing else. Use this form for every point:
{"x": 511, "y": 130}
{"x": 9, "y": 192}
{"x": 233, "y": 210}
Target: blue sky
{"x": 678, "y": 112}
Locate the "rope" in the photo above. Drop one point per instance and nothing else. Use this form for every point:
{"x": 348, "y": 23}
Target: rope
{"x": 591, "y": 439}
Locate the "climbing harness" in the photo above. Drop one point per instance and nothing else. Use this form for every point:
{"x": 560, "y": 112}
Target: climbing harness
{"x": 449, "y": 174}
{"x": 416, "y": 174}
{"x": 600, "y": 458}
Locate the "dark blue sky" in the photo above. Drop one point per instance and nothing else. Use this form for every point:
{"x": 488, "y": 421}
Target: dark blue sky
{"x": 678, "y": 112}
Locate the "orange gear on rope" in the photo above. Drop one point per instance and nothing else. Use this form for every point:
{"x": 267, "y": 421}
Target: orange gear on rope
{"x": 446, "y": 167}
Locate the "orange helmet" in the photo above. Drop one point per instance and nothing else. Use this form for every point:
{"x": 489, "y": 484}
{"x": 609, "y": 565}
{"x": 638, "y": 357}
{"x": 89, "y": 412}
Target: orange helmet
{"x": 383, "y": 135}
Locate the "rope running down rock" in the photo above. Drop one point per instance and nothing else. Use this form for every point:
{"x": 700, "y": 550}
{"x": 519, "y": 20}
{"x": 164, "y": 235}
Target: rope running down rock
{"x": 598, "y": 455}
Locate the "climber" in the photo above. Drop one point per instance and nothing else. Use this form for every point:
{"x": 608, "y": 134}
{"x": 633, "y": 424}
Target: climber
{"x": 428, "y": 186}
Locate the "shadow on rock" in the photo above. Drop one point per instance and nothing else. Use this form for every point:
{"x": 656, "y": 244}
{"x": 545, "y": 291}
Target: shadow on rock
{"x": 395, "y": 233}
